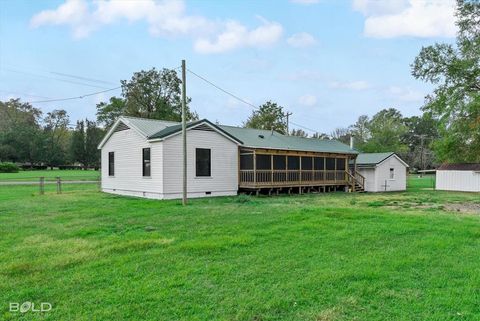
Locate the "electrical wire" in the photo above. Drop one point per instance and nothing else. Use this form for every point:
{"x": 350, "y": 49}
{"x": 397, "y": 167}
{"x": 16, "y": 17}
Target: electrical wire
{"x": 240, "y": 99}
{"x": 76, "y": 97}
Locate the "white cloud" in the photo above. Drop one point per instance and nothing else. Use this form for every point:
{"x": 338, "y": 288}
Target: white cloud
{"x": 350, "y": 85}
{"x": 406, "y": 94}
{"x": 236, "y": 36}
{"x": 307, "y": 100}
{"x": 164, "y": 18}
{"x": 301, "y": 39}
{"x": 417, "y": 18}
{"x": 305, "y": 2}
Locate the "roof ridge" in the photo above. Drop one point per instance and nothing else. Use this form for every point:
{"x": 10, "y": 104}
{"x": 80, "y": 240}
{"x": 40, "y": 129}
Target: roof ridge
{"x": 151, "y": 119}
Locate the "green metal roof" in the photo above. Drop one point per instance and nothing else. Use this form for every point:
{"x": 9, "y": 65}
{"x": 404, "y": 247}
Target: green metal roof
{"x": 248, "y": 137}
{"x": 372, "y": 159}
{"x": 178, "y": 127}
{"x": 259, "y": 138}
{"x": 147, "y": 127}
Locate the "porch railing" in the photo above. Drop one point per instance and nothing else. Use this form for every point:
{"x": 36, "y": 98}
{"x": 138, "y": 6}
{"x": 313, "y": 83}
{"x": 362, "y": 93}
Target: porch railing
{"x": 291, "y": 177}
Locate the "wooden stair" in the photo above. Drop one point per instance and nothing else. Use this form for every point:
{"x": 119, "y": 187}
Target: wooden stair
{"x": 357, "y": 182}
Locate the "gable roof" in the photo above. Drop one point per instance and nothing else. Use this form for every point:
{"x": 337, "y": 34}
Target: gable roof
{"x": 373, "y": 159}
{"x": 460, "y": 167}
{"x": 260, "y": 138}
{"x": 177, "y": 127}
{"x": 153, "y": 129}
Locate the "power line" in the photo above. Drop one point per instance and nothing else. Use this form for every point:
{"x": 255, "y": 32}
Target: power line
{"x": 76, "y": 97}
{"x": 223, "y": 90}
{"x": 242, "y": 100}
{"x": 53, "y": 78}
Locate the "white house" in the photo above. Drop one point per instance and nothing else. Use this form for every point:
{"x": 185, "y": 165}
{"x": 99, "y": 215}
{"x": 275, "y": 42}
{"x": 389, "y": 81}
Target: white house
{"x": 143, "y": 157}
{"x": 383, "y": 172}
{"x": 458, "y": 177}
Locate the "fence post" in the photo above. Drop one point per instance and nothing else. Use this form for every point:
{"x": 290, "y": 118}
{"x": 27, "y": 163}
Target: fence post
{"x": 59, "y": 185}
{"x": 42, "y": 185}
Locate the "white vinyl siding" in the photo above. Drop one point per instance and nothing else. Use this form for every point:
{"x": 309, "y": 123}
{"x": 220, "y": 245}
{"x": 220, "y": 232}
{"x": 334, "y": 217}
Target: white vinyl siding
{"x": 451, "y": 180}
{"x": 379, "y": 179}
{"x": 224, "y": 165}
{"x": 127, "y": 146}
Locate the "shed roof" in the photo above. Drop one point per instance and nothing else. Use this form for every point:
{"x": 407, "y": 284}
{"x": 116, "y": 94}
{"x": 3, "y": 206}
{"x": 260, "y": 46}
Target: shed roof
{"x": 460, "y": 167}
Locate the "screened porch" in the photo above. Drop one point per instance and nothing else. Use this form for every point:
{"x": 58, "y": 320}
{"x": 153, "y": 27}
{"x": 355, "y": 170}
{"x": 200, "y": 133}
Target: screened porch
{"x": 261, "y": 168}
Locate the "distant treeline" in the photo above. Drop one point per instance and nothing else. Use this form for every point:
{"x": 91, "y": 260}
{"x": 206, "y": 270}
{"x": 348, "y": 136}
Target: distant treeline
{"x": 37, "y": 140}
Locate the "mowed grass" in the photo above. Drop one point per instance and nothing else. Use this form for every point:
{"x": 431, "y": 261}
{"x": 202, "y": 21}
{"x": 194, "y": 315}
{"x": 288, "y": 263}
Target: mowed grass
{"x": 94, "y": 256}
{"x": 34, "y": 175}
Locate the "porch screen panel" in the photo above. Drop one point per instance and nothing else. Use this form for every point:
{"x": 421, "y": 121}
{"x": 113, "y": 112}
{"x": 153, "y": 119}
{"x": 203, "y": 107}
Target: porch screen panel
{"x": 264, "y": 167}
{"x": 319, "y": 163}
{"x": 340, "y": 164}
{"x": 319, "y": 167}
{"x": 279, "y": 167}
{"x": 293, "y": 174}
{"x": 246, "y": 162}
{"x": 330, "y": 162}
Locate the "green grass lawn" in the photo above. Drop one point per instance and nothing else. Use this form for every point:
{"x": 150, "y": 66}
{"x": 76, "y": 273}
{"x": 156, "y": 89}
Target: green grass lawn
{"x": 94, "y": 256}
{"x": 50, "y": 175}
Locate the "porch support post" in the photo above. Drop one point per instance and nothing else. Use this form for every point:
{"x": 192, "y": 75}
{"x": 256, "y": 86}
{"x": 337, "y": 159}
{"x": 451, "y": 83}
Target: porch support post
{"x": 254, "y": 168}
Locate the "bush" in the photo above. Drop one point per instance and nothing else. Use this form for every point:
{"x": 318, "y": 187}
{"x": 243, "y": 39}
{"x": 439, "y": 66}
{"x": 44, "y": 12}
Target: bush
{"x": 9, "y": 168}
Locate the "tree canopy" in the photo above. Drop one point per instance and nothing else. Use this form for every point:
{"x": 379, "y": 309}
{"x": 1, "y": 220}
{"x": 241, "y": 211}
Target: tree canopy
{"x": 455, "y": 70}
{"x": 154, "y": 94}
{"x": 268, "y": 116}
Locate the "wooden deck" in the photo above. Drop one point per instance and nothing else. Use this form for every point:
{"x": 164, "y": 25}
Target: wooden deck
{"x": 274, "y": 169}
{"x": 291, "y": 178}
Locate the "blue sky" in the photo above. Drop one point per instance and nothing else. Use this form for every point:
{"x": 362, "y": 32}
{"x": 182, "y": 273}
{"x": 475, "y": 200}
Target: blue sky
{"x": 325, "y": 61}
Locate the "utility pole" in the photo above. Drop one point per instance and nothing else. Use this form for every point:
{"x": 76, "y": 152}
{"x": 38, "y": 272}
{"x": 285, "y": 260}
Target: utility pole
{"x": 184, "y": 131}
{"x": 287, "y": 115}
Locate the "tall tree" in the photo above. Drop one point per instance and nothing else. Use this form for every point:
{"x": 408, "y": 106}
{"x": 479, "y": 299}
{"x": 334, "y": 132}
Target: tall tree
{"x": 268, "y": 116}
{"x": 77, "y": 146}
{"x": 107, "y": 113}
{"x": 94, "y": 135}
{"x": 387, "y": 130}
{"x": 360, "y": 131}
{"x": 153, "y": 93}
{"x": 422, "y": 132}
{"x": 341, "y": 134}
{"x": 320, "y": 136}
{"x": 455, "y": 70}
{"x": 56, "y": 136}
{"x": 20, "y": 132}
{"x": 298, "y": 132}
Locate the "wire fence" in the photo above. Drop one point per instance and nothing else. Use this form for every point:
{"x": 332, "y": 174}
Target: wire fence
{"x": 57, "y": 184}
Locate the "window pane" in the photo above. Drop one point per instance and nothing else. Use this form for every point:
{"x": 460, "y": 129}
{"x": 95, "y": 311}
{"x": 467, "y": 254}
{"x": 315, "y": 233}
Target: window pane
{"x": 279, "y": 162}
{"x": 264, "y": 162}
{"x": 146, "y": 162}
{"x": 111, "y": 164}
{"x": 293, "y": 162}
{"x": 307, "y": 163}
{"x": 330, "y": 163}
{"x": 340, "y": 163}
{"x": 392, "y": 173}
{"x": 319, "y": 163}
{"x": 203, "y": 162}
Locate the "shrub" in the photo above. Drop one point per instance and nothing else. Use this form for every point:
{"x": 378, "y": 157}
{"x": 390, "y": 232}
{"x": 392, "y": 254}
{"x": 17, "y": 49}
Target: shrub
{"x": 9, "y": 168}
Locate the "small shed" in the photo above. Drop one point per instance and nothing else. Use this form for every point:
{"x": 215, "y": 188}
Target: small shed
{"x": 458, "y": 177}
{"x": 383, "y": 172}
